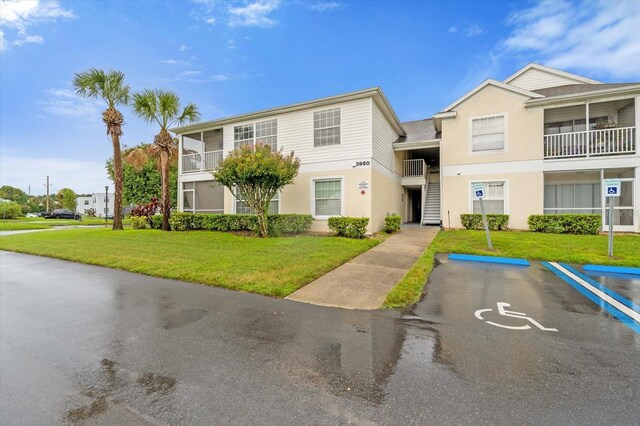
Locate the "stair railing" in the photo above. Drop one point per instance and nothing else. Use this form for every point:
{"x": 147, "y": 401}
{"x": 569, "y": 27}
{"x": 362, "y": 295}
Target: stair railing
{"x": 425, "y": 191}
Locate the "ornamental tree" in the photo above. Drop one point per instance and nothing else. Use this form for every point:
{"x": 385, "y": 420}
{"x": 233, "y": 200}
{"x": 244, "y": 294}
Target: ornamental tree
{"x": 254, "y": 174}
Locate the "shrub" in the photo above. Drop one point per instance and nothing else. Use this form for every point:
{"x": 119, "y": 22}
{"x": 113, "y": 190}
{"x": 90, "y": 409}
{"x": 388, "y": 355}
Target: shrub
{"x": 91, "y": 212}
{"x": 140, "y": 222}
{"x": 392, "y": 223}
{"x": 350, "y": 227}
{"x": 581, "y": 224}
{"x": 278, "y": 223}
{"x": 10, "y": 210}
{"x": 147, "y": 210}
{"x": 497, "y": 222}
{"x": 156, "y": 221}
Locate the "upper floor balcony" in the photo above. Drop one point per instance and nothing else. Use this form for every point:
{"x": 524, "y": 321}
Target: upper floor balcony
{"x": 201, "y": 151}
{"x": 591, "y": 130}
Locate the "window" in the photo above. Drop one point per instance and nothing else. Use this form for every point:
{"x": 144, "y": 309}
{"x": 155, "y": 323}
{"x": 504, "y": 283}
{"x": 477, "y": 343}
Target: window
{"x": 326, "y": 127}
{"x": 328, "y": 197}
{"x": 202, "y": 197}
{"x": 493, "y": 199}
{"x": 242, "y": 208}
{"x": 86, "y": 202}
{"x": 242, "y": 135}
{"x": 577, "y": 125}
{"x": 266, "y": 133}
{"x": 487, "y": 134}
{"x": 578, "y": 198}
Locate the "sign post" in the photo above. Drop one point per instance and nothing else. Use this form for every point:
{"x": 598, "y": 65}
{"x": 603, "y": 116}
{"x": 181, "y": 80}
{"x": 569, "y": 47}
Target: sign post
{"x": 611, "y": 189}
{"x": 478, "y": 194}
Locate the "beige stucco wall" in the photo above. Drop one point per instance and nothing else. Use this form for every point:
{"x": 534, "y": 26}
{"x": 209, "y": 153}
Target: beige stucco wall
{"x": 524, "y": 196}
{"x": 524, "y": 129}
{"x": 387, "y": 194}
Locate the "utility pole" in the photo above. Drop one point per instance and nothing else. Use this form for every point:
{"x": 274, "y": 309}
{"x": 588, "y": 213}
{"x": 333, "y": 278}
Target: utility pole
{"x": 47, "y": 199}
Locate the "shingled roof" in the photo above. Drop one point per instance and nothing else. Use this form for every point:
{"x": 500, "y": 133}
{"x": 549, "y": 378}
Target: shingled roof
{"x": 418, "y": 131}
{"x": 575, "y": 89}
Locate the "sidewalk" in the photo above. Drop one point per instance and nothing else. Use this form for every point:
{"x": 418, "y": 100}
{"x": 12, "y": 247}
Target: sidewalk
{"x": 363, "y": 282}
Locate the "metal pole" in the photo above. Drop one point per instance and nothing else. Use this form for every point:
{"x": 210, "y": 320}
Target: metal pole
{"x": 47, "y": 194}
{"x": 106, "y": 203}
{"x": 486, "y": 225}
{"x": 610, "y": 226}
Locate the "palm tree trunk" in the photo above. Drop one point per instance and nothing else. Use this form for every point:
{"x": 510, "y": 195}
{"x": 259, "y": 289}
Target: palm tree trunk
{"x": 166, "y": 197}
{"x": 118, "y": 182}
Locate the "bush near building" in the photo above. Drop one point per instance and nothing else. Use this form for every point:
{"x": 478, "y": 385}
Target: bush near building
{"x": 10, "y": 210}
{"x": 350, "y": 227}
{"x": 497, "y": 222}
{"x": 392, "y": 223}
{"x": 579, "y": 224}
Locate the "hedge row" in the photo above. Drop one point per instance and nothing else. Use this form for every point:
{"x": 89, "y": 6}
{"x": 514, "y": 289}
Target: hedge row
{"x": 582, "y": 224}
{"x": 351, "y": 227}
{"x": 497, "y": 222}
{"x": 278, "y": 223}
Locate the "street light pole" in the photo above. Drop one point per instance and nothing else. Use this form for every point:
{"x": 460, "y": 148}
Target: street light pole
{"x": 106, "y": 202}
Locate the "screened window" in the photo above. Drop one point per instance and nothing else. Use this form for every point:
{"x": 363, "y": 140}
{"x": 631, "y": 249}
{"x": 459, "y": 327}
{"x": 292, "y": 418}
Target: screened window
{"x": 326, "y": 127}
{"x": 328, "y": 197}
{"x": 267, "y": 133}
{"x": 242, "y": 135}
{"x": 86, "y": 202}
{"x": 487, "y": 134}
{"x": 572, "y": 198}
{"x": 493, "y": 199}
{"x": 242, "y": 208}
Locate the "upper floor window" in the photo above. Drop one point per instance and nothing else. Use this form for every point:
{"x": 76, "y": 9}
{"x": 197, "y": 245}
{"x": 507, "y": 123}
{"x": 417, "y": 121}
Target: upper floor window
{"x": 326, "y": 127}
{"x": 86, "y": 202}
{"x": 267, "y": 133}
{"x": 242, "y": 135}
{"x": 487, "y": 133}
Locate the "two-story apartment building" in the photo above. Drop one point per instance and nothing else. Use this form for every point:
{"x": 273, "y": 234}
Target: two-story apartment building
{"x": 541, "y": 141}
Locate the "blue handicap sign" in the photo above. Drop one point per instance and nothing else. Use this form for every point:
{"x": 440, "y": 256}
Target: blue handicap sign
{"x": 612, "y": 190}
{"x": 479, "y": 194}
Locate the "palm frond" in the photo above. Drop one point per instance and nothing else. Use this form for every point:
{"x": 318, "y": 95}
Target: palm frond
{"x": 96, "y": 83}
{"x": 189, "y": 114}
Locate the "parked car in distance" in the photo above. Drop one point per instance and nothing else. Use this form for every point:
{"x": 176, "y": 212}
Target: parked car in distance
{"x": 63, "y": 214}
{"x": 32, "y": 215}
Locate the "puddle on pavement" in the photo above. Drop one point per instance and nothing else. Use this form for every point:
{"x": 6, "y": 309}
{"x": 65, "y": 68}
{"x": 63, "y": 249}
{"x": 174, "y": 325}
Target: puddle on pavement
{"x": 184, "y": 317}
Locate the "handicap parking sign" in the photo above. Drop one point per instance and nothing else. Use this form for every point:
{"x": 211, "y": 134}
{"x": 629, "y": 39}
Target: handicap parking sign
{"x": 611, "y": 187}
{"x": 478, "y": 190}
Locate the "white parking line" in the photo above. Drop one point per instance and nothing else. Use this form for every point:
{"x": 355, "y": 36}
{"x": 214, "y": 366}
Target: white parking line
{"x": 602, "y": 295}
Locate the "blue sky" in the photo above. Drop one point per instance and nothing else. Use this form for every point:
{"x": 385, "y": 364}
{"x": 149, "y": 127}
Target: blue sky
{"x": 236, "y": 57}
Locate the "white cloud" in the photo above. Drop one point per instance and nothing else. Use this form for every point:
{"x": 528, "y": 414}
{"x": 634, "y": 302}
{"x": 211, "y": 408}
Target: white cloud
{"x": 231, "y": 44}
{"x": 183, "y": 48}
{"x": 324, "y": 6}
{"x": 472, "y": 30}
{"x": 211, "y": 20}
{"x": 453, "y": 29}
{"x": 601, "y": 38}
{"x": 80, "y": 175}
{"x": 220, "y": 78}
{"x": 254, "y": 14}
{"x": 65, "y": 103}
{"x": 20, "y": 15}
{"x": 190, "y": 73}
{"x": 179, "y": 62}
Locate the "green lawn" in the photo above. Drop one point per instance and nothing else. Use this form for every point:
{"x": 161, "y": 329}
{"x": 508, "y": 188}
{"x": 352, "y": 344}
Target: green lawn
{"x": 581, "y": 249}
{"x": 272, "y": 266}
{"x": 42, "y": 223}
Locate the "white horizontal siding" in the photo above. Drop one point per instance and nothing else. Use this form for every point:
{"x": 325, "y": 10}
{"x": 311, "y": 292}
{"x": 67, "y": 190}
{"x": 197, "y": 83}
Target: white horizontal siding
{"x": 295, "y": 133}
{"x": 383, "y": 137}
{"x": 627, "y": 116}
{"x": 533, "y": 79}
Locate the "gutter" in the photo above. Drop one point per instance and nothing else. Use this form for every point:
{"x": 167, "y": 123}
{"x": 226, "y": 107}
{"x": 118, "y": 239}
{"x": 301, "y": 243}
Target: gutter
{"x": 579, "y": 96}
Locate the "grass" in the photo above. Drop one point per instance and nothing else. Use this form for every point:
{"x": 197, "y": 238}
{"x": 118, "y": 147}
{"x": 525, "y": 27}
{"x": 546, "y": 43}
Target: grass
{"x": 273, "y": 266}
{"x": 42, "y": 223}
{"x": 581, "y": 249}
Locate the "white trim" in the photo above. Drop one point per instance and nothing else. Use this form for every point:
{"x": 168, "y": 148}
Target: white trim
{"x": 543, "y": 68}
{"x": 613, "y": 94}
{"x": 377, "y": 166}
{"x": 486, "y": 83}
{"x": 504, "y": 149}
{"x": 524, "y": 166}
{"x": 405, "y": 146}
{"x": 505, "y": 198}
{"x": 312, "y": 196}
{"x": 333, "y": 166}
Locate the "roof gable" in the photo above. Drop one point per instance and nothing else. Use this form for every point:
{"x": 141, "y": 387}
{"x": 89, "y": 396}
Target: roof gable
{"x": 536, "y": 76}
{"x": 494, "y": 83}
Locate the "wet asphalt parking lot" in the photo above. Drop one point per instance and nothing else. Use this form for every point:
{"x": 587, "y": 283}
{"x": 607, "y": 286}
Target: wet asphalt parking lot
{"x": 89, "y": 345}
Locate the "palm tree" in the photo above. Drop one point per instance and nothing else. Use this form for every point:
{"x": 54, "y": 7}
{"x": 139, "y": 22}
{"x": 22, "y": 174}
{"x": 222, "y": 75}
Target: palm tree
{"x": 163, "y": 108}
{"x": 110, "y": 87}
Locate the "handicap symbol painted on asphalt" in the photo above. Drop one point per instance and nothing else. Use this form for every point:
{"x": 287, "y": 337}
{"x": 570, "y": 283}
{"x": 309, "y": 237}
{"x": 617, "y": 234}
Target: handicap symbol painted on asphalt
{"x": 502, "y": 311}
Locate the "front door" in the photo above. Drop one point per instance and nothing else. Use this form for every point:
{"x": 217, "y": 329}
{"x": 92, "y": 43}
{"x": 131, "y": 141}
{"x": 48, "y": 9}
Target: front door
{"x": 416, "y": 200}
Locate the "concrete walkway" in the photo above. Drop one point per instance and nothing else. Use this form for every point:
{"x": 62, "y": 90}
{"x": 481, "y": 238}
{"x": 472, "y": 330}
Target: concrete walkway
{"x": 363, "y": 282}
{"x": 53, "y": 228}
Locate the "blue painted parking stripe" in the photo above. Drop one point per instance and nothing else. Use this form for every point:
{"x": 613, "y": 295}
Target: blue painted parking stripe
{"x": 602, "y": 288}
{"x": 489, "y": 259}
{"x": 612, "y": 269}
{"x": 615, "y": 312}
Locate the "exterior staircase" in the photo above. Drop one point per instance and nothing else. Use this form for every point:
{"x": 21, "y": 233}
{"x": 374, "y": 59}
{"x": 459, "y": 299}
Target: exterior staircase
{"x": 431, "y": 215}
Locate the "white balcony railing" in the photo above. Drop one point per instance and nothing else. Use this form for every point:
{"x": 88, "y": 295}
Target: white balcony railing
{"x": 621, "y": 140}
{"x": 201, "y": 162}
{"x": 414, "y": 168}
